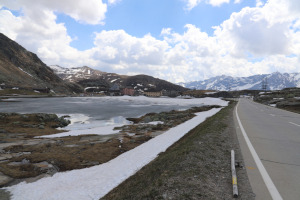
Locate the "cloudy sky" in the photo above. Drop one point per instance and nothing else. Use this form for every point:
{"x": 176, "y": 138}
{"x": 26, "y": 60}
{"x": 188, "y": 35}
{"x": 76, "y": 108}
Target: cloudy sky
{"x": 176, "y": 40}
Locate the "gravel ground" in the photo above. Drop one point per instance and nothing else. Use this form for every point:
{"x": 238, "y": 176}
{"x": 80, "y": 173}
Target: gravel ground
{"x": 196, "y": 167}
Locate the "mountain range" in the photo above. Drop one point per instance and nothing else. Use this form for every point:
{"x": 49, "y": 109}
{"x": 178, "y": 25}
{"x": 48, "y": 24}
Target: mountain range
{"x": 274, "y": 81}
{"x": 88, "y": 77}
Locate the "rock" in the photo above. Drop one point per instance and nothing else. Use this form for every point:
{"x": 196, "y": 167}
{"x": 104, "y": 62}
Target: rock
{"x": 4, "y": 179}
{"x": 47, "y": 117}
{"x": 147, "y": 119}
{"x": 25, "y": 161}
{"x": 41, "y": 126}
{"x": 45, "y": 166}
{"x": 91, "y": 163}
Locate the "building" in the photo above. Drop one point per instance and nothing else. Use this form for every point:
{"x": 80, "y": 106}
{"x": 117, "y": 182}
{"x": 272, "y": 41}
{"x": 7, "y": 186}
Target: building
{"x": 128, "y": 91}
{"x": 115, "y": 90}
{"x": 153, "y": 93}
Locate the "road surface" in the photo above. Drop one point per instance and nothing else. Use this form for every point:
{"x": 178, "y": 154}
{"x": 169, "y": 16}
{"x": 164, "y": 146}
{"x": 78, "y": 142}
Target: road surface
{"x": 275, "y": 137}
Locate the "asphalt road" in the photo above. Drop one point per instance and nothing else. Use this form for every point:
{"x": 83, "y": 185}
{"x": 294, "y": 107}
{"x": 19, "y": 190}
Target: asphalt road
{"x": 275, "y": 137}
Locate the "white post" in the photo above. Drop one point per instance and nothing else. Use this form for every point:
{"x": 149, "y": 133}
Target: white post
{"x": 234, "y": 178}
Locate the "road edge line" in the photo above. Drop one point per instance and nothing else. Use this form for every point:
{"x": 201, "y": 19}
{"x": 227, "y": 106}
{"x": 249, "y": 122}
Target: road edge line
{"x": 267, "y": 179}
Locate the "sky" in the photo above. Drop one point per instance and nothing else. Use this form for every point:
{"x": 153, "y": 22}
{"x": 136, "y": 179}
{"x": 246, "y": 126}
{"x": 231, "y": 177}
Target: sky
{"x": 175, "y": 40}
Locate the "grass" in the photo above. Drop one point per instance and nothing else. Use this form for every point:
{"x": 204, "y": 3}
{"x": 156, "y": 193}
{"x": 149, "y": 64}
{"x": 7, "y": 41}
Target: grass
{"x": 184, "y": 167}
{"x": 83, "y": 155}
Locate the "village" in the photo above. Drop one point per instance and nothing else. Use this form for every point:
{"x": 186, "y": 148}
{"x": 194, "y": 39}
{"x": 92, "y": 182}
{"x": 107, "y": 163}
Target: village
{"x": 117, "y": 90}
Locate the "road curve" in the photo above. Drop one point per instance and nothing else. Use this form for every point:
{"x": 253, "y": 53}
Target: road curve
{"x": 275, "y": 137}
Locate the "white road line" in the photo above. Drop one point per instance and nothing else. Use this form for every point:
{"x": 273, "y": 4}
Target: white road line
{"x": 268, "y": 181}
{"x": 294, "y": 124}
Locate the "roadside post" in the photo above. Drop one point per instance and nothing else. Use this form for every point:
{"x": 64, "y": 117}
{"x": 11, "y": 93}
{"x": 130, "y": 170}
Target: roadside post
{"x": 234, "y": 178}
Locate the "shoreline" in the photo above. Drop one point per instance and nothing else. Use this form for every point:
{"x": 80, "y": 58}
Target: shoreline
{"x": 27, "y": 153}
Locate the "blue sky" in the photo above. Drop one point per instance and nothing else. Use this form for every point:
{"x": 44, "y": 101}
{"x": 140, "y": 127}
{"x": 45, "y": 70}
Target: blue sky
{"x": 176, "y": 40}
{"x": 139, "y": 18}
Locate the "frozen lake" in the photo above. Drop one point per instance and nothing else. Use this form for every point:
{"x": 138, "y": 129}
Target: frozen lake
{"x": 90, "y": 112}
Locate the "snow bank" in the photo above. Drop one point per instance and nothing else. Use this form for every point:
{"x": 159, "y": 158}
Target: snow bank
{"x": 95, "y": 182}
{"x": 104, "y": 130}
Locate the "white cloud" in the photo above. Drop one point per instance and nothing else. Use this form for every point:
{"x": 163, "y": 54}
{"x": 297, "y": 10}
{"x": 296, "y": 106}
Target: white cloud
{"x": 217, "y": 2}
{"x": 191, "y": 4}
{"x": 269, "y": 32}
{"x": 237, "y": 1}
{"x": 261, "y": 31}
{"x": 113, "y": 2}
{"x": 91, "y": 12}
{"x": 166, "y": 31}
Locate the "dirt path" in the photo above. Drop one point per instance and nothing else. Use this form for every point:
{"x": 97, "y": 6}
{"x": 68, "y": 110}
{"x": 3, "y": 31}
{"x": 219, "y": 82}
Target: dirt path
{"x": 196, "y": 167}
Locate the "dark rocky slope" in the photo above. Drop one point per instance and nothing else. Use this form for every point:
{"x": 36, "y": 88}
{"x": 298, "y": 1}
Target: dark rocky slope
{"x": 22, "y": 68}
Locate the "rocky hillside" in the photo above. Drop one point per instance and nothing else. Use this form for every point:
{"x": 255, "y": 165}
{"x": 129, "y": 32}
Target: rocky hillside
{"x": 23, "y": 69}
{"x": 88, "y": 77}
{"x": 76, "y": 74}
{"x": 275, "y": 81}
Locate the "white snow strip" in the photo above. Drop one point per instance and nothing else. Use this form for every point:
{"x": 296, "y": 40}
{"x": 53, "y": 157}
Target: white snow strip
{"x": 95, "y": 182}
{"x": 156, "y": 122}
{"x": 25, "y": 72}
{"x": 104, "y": 130}
{"x": 210, "y": 92}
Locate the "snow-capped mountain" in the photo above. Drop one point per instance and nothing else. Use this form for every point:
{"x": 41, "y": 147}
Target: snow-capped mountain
{"x": 77, "y": 73}
{"x": 274, "y": 81}
{"x": 88, "y": 77}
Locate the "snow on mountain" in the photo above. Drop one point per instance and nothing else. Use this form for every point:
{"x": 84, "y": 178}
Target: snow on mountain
{"x": 77, "y": 73}
{"x": 88, "y": 77}
{"x": 275, "y": 81}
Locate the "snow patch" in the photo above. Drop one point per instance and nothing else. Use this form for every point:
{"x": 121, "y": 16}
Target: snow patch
{"x": 113, "y": 80}
{"x": 104, "y": 130}
{"x": 25, "y": 71}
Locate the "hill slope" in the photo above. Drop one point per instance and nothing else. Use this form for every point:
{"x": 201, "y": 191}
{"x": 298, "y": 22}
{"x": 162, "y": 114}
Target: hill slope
{"x": 21, "y": 68}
